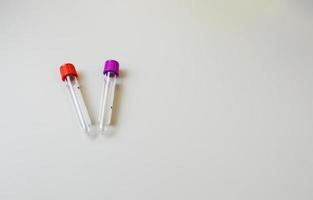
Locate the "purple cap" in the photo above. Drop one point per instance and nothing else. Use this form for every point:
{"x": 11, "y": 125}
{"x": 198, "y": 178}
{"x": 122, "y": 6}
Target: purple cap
{"x": 111, "y": 66}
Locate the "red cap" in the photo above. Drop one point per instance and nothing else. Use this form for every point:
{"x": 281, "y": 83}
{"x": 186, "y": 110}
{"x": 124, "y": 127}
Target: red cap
{"x": 67, "y": 69}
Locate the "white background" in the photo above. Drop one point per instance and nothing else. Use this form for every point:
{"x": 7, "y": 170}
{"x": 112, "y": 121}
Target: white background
{"x": 216, "y": 100}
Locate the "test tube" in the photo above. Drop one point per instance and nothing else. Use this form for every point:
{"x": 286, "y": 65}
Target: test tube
{"x": 111, "y": 73}
{"x": 69, "y": 76}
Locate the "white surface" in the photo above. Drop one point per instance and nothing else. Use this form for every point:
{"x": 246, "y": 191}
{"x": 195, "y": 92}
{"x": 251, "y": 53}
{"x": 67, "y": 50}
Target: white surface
{"x": 216, "y": 100}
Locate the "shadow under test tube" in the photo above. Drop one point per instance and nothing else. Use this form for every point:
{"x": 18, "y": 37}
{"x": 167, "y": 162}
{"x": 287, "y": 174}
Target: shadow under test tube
{"x": 69, "y": 76}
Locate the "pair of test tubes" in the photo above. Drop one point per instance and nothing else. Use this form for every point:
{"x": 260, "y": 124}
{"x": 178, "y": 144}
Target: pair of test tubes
{"x": 111, "y": 72}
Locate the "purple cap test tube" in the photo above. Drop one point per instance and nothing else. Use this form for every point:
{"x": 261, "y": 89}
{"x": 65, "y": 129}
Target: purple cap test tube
{"x": 111, "y": 73}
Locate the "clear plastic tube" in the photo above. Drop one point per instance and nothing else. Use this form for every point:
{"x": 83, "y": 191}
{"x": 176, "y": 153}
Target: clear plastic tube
{"x": 78, "y": 102}
{"x": 69, "y": 76}
{"x": 106, "y": 103}
{"x": 111, "y": 72}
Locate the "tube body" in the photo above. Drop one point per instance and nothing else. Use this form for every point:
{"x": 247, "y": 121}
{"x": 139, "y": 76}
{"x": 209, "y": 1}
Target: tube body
{"x": 78, "y": 102}
{"x": 106, "y": 102}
